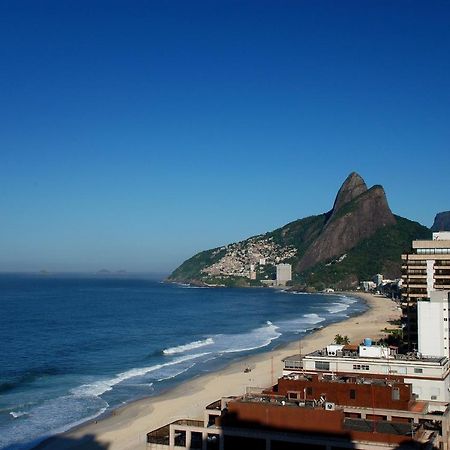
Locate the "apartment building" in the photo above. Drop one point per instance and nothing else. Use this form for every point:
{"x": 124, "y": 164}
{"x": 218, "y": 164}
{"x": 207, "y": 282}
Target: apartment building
{"x": 425, "y": 270}
{"x": 316, "y": 412}
{"x": 284, "y": 274}
{"x": 427, "y": 375}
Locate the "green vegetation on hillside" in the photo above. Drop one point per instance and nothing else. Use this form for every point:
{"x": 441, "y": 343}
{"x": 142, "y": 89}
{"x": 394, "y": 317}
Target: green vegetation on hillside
{"x": 381, "y": 253}
{"x": 300, "y": 233}
{"x": 191, "y": 269}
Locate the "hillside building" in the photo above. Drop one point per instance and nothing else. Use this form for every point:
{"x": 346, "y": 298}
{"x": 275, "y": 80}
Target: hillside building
{"x": 284, "y": 274}
{"x": 424, "y": 271}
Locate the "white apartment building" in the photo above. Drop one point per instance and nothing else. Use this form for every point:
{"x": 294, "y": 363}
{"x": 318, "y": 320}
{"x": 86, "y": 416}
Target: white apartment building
{"x": 427, "y": 370}
{"x": 284, "y": 274}
{"x": 433, "y": 323}
{"x": 427, "y": 375}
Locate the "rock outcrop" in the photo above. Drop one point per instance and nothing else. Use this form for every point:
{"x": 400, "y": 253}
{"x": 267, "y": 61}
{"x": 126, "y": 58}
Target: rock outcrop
{"x": 352, "y": 187}
{"x": 357, "y": 214}
{"x": 441, "y": 222}
{"x": 356, "y": 239}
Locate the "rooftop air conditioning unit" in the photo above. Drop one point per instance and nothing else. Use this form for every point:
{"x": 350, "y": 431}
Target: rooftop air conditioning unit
{"x": 330, "y": 406}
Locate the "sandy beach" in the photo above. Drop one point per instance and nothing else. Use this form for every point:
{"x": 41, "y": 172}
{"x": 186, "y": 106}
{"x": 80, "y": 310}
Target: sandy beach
{"x": 126, "y": 428}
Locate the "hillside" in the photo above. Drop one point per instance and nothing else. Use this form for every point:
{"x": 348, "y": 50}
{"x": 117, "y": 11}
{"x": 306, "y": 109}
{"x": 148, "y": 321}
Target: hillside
{"x": 441, "y": 222}
{"x": 357, "y": 238}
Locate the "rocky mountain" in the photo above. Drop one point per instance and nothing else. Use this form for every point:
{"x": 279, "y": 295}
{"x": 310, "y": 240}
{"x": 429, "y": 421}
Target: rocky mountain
{"x": 357, "y": 214}
{"x": 357, "y": 238}
{"x": 441, "y": 222}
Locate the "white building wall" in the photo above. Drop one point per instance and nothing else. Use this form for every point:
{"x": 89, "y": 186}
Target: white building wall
{"x": 430, "y": 275}
{"x": 431, "y": 390}
{"x": 284, "y": 273}
{"x": 428, "y": 380}
{"x": 441, "y": 236}
{"x": 432, "y": 324}
{"x": 430, "y": 327}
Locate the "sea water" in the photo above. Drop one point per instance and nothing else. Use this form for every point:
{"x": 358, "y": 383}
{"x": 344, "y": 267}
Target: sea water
{"x": 74, "y": 347}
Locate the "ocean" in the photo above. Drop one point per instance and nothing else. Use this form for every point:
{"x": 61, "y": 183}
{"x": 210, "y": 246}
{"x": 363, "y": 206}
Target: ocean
{"x": 76, "y": 347}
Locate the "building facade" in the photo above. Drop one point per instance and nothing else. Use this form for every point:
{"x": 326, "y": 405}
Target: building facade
{"x": 425, "y": 270}
{"x": 433, "y": 324}
{"x": 284, "y": 274}
{"x": 428, "y": 376}
{"x": 314, "y": 413}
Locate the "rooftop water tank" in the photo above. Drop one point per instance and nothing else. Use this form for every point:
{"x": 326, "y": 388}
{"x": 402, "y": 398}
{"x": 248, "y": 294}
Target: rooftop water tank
{"x": 367, "y": 342}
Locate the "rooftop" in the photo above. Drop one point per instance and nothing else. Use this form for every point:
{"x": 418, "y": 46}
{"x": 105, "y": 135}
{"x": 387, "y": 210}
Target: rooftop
{"x": 411, "y": 356}
{"x": 341, "y": 379}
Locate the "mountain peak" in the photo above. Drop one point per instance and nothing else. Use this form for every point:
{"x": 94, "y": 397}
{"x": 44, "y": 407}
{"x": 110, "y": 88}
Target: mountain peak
{"x": 441, "y": 222}
{"x": 353, "y": 187}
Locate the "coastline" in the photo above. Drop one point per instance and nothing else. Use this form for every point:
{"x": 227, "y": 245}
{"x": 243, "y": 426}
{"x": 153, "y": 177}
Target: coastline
{"x": 126, "y": 427}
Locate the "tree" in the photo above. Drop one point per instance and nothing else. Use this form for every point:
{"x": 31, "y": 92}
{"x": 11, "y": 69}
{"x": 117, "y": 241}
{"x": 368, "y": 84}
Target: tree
{"x": 341, "y": 340}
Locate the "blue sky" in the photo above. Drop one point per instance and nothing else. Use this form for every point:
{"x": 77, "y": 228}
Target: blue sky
{"x": 134, "y": 134}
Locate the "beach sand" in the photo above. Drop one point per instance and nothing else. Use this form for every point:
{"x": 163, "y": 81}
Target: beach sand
{"x": 126, "y": 428}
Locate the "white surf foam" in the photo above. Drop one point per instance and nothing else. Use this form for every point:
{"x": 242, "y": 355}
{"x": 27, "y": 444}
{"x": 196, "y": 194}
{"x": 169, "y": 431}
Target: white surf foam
{"x": 300, "y": 324}
{"x": 334, "y": 308}
{"x": 187, "y": 347}
{"x": 169, "y": 374}
{"x": 17, "y": 414}
{"x": 100, "y": 387}
{"x": 252, "y": 340}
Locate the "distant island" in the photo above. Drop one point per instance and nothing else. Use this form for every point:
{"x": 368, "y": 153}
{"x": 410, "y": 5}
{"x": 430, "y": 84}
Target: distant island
{"x": 110, "y": 272}
{"x": 357, "y": 238}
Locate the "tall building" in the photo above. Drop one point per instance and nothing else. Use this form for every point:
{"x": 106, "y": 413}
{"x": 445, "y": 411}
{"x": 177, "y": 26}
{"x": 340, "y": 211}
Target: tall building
{"x": 284, "y": 274}
{"x": 432, "y": 324}
{"x": 424, "y": 271}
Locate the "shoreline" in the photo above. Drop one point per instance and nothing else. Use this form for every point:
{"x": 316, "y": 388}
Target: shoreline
{"x": 126, "y": 427}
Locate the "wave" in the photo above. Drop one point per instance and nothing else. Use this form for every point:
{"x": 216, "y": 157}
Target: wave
{"x": 252, "y": 340}
{"x": 168, "y": 375}
{"x": 51, "y": 417}
{"x": 334, "y": 308}
{"x": 301, "y": 324}
{"x": 186, "y": 347}
{"x": 348, "y": 300}
{"x": 18, "y": 414}
{"x": 98, "y": 388}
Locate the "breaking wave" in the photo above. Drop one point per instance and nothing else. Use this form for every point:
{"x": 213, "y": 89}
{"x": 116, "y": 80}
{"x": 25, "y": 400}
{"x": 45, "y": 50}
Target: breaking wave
{"x": 187, "y": 347}
{"x": 100, "y": 387}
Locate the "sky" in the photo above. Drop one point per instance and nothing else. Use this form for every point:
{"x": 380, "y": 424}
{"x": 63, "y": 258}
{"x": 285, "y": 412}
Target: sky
{"x": 134, "y": 134}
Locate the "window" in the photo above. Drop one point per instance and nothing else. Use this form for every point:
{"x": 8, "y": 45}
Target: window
{"x": 309, "y": 391}
{"x": 360, "y": 367}
{"x": 352, "y": 394}
{"x": 293, "y": 395}
{"x": 395, "y": 393}
{"x": 322, "y": 365}
{"x": 418, "y": 370}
